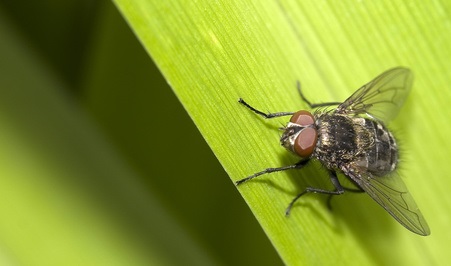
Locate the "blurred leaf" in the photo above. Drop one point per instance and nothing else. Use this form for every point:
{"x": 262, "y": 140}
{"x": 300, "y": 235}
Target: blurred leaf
{"x": 68, "y": 197}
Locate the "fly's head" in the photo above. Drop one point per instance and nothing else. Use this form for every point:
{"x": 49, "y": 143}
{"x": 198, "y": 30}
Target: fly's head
{"x": 300, "y": 134}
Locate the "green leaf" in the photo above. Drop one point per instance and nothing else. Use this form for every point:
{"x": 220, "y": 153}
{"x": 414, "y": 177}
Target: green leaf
{"x": 212, "y": 53}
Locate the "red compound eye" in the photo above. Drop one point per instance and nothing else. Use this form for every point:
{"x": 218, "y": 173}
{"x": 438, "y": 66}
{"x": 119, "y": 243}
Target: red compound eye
{"x": 305, "y": 142}
{"x": 303, "y": 118}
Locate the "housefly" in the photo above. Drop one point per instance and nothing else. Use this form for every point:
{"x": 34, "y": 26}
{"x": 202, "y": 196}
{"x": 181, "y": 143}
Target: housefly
{"x": 352, "y": 139}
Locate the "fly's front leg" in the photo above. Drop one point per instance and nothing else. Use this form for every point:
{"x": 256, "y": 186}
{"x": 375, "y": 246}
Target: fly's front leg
{"x": 298, "y": 165}
{"x": 265, "y": 115}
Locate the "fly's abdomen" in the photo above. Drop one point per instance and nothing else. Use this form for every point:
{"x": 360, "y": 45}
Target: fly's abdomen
{"x": 381, "y": 154}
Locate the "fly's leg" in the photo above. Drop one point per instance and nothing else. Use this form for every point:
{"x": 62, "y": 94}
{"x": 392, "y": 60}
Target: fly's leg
{"x": 313, "y": 105}
{"x": 353, "y": 190}
{"x": 265, "y": 115}
{"x": 298, "y": 165}
{"x": 333, "y": 178}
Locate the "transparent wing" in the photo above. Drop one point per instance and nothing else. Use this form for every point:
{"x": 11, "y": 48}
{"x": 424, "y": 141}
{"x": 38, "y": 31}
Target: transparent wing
{"x": 382, "y": 97}
{"x": 391, "y": 193}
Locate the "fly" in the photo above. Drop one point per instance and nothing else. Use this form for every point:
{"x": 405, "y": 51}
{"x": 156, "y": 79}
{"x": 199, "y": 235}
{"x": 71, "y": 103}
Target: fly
{"x": 352, "y": 139}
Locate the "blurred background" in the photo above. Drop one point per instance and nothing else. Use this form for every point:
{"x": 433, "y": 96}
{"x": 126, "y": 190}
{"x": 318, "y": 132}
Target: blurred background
{"x": 100, "y": 164}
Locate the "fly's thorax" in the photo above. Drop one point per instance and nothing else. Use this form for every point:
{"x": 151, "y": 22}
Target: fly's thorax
{"x": 300, "y": 135}
{"x": 336, "y": 140}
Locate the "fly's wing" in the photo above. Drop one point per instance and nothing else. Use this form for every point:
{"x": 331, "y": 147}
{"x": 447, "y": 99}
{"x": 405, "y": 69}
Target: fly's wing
{"x": 382, "y": 97}
{"x": 391, "y": 193}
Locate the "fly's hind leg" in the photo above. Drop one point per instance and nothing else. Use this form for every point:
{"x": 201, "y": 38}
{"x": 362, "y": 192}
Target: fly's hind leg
{"x": 353, "y": 190}
{"x": 333, "y": 178}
